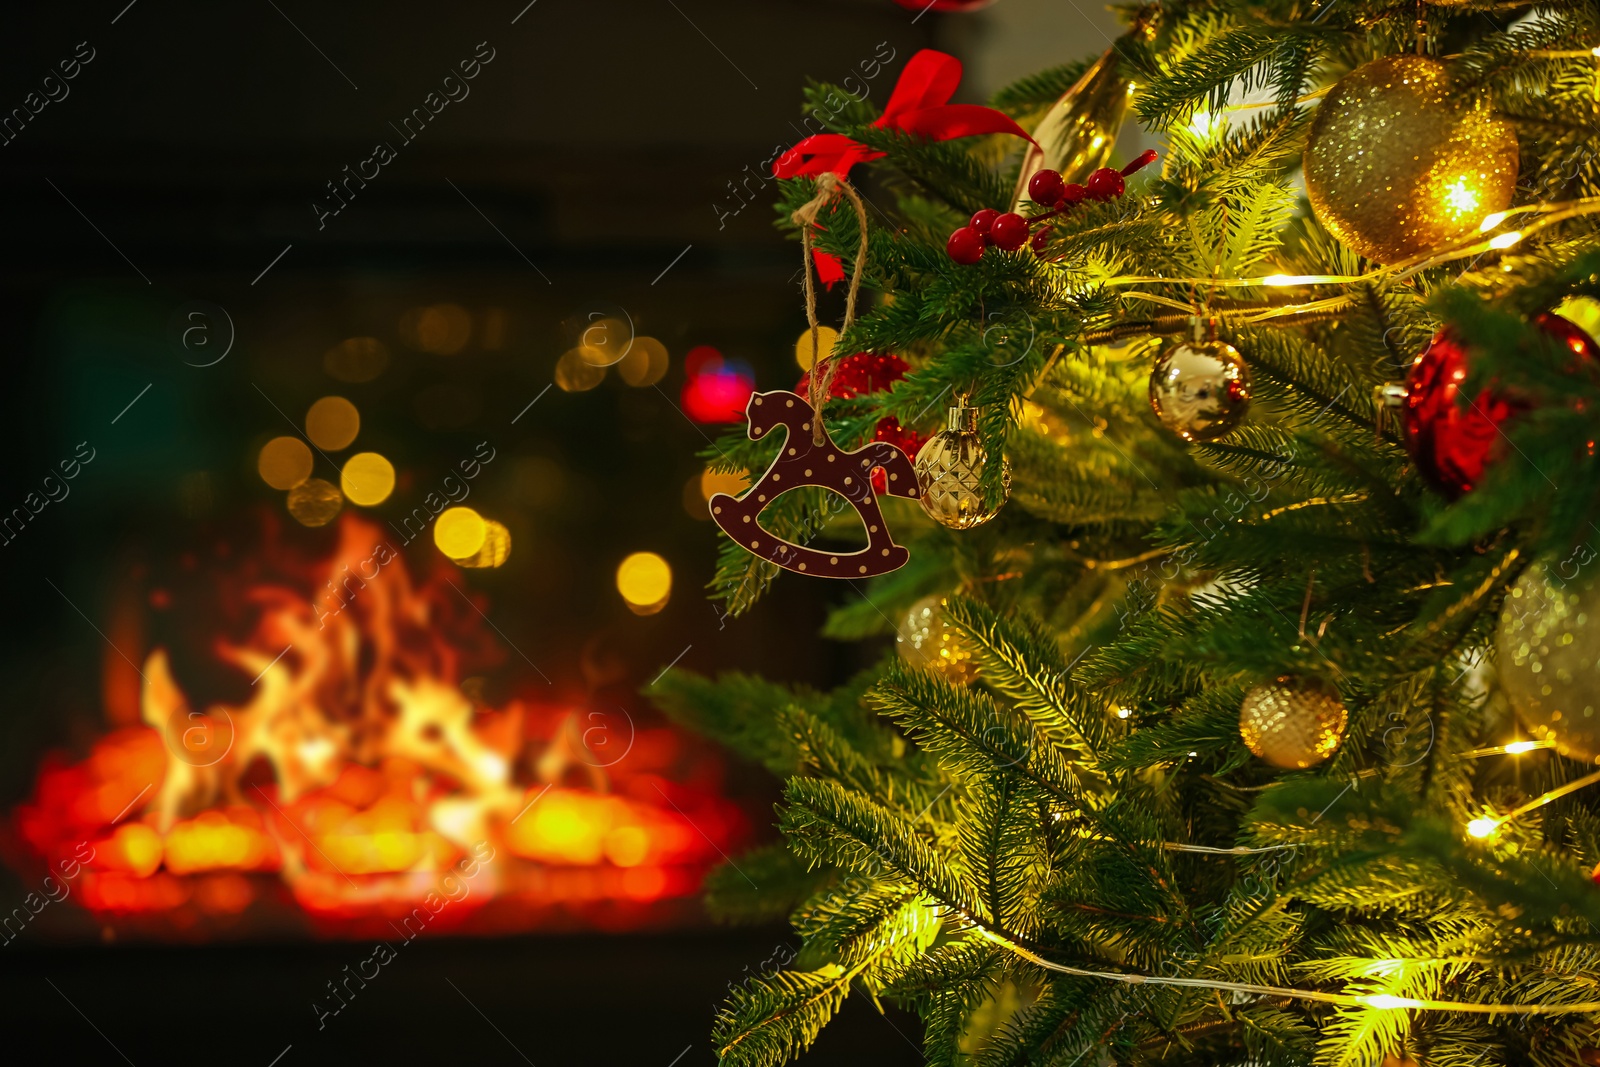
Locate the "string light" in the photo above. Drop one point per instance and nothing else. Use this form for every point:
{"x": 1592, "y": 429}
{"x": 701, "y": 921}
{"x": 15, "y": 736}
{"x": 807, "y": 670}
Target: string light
{"x": 1207, "y": 850}
{"x": 1483, "y": 827}
{"x": 1380, "y": 1001}
{"x": 1515, "y": 748}
{"x": 1550, "y": 213}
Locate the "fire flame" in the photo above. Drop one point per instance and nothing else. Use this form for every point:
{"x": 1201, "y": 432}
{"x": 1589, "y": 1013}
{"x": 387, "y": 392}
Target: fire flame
{"x": 357, "y": 773}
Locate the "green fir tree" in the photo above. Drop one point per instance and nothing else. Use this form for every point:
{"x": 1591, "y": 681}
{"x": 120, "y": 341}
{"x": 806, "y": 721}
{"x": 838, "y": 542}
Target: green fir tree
{"x": 1075, "y": 858}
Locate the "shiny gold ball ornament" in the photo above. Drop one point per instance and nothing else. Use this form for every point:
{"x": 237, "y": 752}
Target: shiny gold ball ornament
{"x": 1549, "y": 658}
{"x": 924, "y": 640}
{"x": 1200, "y": 389}
{"x": 1396, "y": 164}
{"x": 1292, "y": 723}
{"x": 950, "y": 470}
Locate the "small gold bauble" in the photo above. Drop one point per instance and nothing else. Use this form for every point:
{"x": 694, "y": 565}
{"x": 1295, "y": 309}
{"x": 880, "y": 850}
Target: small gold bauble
{"x": 950, "y": 469}
{"x": 1200, "y": 389}
{"x": 1292, "y": 723}
{"x": 1549, "y": 658}
{"x": 924, "y": 640}
{"x": 1397, "y": 165}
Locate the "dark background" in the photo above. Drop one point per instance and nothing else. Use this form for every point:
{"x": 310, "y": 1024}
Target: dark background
{"x": 593, "y": 153}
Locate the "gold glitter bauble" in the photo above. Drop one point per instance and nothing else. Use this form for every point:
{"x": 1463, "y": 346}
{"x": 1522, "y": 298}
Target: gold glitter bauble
{"x": 1077, "y": 134}
{"x": 950, "y": 469}
{"x": 925, "y": 641}
{"x": 1397, "y": 165}
{"x": 1550, "y": 659}
{"x": 314, "y": 502}
{"x": 1293, "y": 723}
{"x": 1200, "y": 389}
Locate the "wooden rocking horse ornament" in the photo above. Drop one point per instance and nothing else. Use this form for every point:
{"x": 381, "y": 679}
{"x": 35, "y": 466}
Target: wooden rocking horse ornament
{"x": 806, "y": 461}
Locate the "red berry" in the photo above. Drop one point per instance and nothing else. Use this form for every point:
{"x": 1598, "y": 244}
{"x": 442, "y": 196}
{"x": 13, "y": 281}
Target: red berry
{"x": 1045, "y": 187}
{"x": 982, "y": 220}
{"x": 1010, "y": 231}
{"x": 1072, "y": 194}
{"x": 1040, "y": 239}
{"x": 1105, "y": 183}
{"x": 965, "y": 245}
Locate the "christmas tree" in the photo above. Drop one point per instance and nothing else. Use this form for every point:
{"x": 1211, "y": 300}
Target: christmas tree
{"x": 1242, "y": 706}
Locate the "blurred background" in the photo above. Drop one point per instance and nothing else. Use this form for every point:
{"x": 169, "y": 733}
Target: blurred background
{"x": 359, "y": 359}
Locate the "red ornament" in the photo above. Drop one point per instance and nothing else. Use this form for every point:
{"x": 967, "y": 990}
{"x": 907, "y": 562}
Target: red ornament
{"x": 1453, "y": 443}
{"x": 1046, "y": 187}
{"x": 803, "y": 462}
{"x": 983, "y": 219}
{"x": 1040, "y": 239}
{"x": 1105, "y": 183}
{"x": 965, "y": 246}
{"x": 1072, "y": 194}
{"x": 871, "y": 372}
{"x": 1010, "y": 231}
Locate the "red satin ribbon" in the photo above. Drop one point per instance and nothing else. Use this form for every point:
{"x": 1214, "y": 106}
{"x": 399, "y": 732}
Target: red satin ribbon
{"x": 917, "y": 106}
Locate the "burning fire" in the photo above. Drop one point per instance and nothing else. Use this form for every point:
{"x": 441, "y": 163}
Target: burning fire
{"x": 357, "y": 772}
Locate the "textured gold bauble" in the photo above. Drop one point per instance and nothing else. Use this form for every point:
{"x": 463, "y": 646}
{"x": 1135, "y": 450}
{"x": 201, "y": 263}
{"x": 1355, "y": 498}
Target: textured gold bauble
{"x": 1292, "y": 723}
{"x": 1077, "y": 134}
{"x": 1200, "y": 389}
{"x": 1549, "y": 658}
{"x": 950, "y": 472}
{"x": 924, "y": 640}
{"x": 1396, "y": 165}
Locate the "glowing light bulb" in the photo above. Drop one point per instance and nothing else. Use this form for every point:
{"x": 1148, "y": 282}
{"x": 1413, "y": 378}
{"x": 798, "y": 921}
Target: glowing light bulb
{"x": 1481, "y": 828}
{"x": 1506, "y": 240}
{"x": 1491, "y": 221}
{"x": 1123, "y": 713}
{"x": 1288, "y": 279}
{"x": 1517, "y": 748}
{"x": 1386, "y": 1001}
{"x": 1204, "y": 122}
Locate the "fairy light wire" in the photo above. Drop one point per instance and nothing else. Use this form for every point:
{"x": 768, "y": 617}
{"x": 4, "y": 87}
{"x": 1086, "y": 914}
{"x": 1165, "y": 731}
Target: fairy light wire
{"x": 1550, "y": 214}
{"x": 1381, "y": 1001}
{"x": 1477, "y": 826}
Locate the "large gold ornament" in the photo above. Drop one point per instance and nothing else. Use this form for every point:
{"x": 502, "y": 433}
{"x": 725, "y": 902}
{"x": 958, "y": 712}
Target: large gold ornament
{"x": 1077, "y": 134}
{"x": 1396, "y": 165}
{"x": 1293, "y": 723}
{"x": 950, "y": 469}
{"x": 1549, "y": 655}
{"x": 1200, "y": 389}
{"x": 924, "y": 640}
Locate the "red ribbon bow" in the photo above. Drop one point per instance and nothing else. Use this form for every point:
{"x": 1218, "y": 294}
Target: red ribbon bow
{"x": 917, "y": 106}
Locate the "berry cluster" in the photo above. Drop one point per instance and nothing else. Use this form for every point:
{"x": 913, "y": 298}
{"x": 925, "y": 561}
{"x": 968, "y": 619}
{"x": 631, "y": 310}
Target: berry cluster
{"x": 1010, "y": 231}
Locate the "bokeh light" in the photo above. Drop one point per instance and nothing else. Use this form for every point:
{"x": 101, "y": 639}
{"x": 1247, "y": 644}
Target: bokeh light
{"x": 496, "y": 548}
{"x": 702, "y": 487}
{"x": 356, "y": 359}
{"x": 332, "y": 423}
{"x": 715, "y": 389}
{"x": 645, "y": 364}
{"x": 605, "y": 342}
{"x": 367, "y": 479}
{"x": 460, "y": 532}
{"x": 314, "y": 502}
{"x": 441, "y": 329}
{"x": 575, "y": 374}
{"x": 826, "y": 336}
{"x": 284, "y": 462}
{"x": 645, "y": 581}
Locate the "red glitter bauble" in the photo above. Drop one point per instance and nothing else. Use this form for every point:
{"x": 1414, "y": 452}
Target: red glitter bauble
{"x": 1452, "y": 443}
{"x": 860, "y": 374}
{"x": 871, "y": 372}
